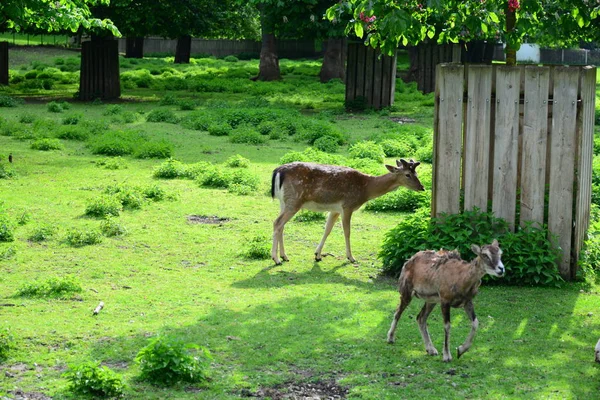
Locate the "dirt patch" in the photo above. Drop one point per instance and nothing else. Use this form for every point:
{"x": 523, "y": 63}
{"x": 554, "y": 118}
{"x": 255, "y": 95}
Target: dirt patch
{"x": 403, "y": 120}
{"x": 320, "y": 390}
{"x": 203, "y": 219}
{"x": 20, "y": 395}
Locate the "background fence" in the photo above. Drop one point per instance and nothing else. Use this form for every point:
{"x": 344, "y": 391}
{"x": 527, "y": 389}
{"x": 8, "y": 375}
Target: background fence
{"x": 517, "y": 141}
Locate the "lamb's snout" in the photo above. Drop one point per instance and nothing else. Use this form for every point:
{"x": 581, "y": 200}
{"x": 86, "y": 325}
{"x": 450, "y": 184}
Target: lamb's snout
{"x": 500, "y": 269}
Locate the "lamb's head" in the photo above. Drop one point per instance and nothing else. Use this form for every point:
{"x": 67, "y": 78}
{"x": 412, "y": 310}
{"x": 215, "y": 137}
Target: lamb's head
{"x": 490, "y": 257}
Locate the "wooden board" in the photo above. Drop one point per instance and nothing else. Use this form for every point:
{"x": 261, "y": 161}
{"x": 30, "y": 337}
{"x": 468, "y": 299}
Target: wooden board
{"x": 477, "y": 137}
{"x": 562, "y": 161}
{"x": 506, "y": 143}
{"x": 448, "y": 139}
{"x": 534, "y": 144}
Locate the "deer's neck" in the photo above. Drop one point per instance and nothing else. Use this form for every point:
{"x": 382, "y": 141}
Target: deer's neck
{"x": 380, "y": 185}
{"x": 477, "y": 269}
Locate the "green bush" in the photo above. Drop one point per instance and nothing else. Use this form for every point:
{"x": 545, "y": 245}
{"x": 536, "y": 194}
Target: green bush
{"x": 162, "y": 115}
{"x": 111, "y": 228}
{"x": 529, "y": 256}
{"x": 72, "y": 119}
{"x": 77, "y": 238}
{"x": 59, "y": 288}
{"x": 397, "y": 148}
{"x": 116, "y": 143}
{"x": 7, "y": 343}
{"x": 327, "y": 144}
{"x": 71, "y": 132}
{"x": 155, "y": 193}
{"x": 198, "y": 120}
{"x": 314, "y": 129}
{"x": 27, "y": 118}
{"x": 310, "y": 216}
{"x": 113, "y": 109}
{"x": 112, "y": 163}
{"x": 57, "y": 107}
{"x": 7, "y": 227}
{"x": 169, "y": 169}
{"x": 231, "y": 59}
{"x": 166, "y": 361}
{"x": 104, "y": 206}
{"x": 42, "y": 233}
{"x": 186, "y": 105}
{"x": 237, "y": 161}
{"x": 7, "y": 101}
{"x": 247, "y": 135}
{"x": 46, "y": 144}
{"x": 92, "y": 380}
{"x": 403, "y": 200}
{"x": 219, "y": 129}
{"x": 425, "y": 153}
{"x": 367, "y": 149}
{"x": 6, "y": 172}
{"x": 257, "y": 248}
{"x": 158, "y": 149}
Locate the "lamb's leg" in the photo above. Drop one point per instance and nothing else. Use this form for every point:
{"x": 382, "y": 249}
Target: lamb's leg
{"x": 346, "y": 217}
{"x": 333, "y": 216}
{"x": 470, "y": 310}
{"x": 597, "y": 350}
{"x": 447, "y": 357}
{"x": 278, "y": 226}
{"x": 422, "y": 320}
{"x": 404, "y": 302}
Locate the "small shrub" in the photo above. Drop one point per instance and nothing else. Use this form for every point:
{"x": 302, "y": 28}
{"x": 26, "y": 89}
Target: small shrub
{"x": 113, "y": 109}
{"x": 72, "y": 132}
{"x": 104, "y": 206}
{"x": 7, "y": 101}
{"x": 240, "y": 189}
{"x": 315, "y": 129}
{"x": 6, "y": 172}
{"x": 7, "y": 343}
{"x": 111, "y": 228}
{"x": 72, "y": 119}
{"x": 154, "y": 193}
{"x": 46, "y": 144}
{"x": 310, "y": 216}
{"x": 397, "y": 148}
{"x": 57, "y": 107}
{"x": 215, "y": 177}
{"x": 186, "y": 105}
{"x": 42, "y": 233}
{"x": 169, "y": 169}
{"x": 7, "y": 227}
{"x": 112, "y": 163}
{"x": 77, "y": 238}
{"x": 247, "y": 135}
{"x": 231, "y": 59}
{"x": 327, "y": 144}
{"x": 158, "y": 149}
{"x": 237, "y": 161}
{"x": 403, "y": 200}
{"x": 8, "y": 253}
{"x": 92, "y": 380}
{"x": 198, "y": 120}
{"x": 368, "y": 149}
{"x": 221, "y": 129}
{"x": 27, "y": 118}
{"x": 166, "y": 361}
{"x": 258, "y": 248}
{"x": 425, "y": 153}
{"x": 116, "y": 143}
{"x": 168, "y": 100}
{"x": 60, "y": 288}
{"x": 161, "y": 115}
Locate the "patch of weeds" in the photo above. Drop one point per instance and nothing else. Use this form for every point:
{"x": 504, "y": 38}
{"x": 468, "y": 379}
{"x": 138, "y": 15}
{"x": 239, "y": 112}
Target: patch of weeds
{"x": 169, "y": 169}
{"x": 310, "y": 216}
{"x": 27, "y": 118}
{"x": 237, "y": 161}
{"x": 104, "y": 206}
{"x": 166, "y": 361}
{"x": 7, "y": 101}
{"x": 7, "y": 343}
{"x": 327, "y": 144}
{"x": 60, "y": 288}
{"x": 72, "y": 119}
{"x": 187, "y": 105}
{"x": 72, "y": 132}
{"x": 397, "y": 148}
{"x": 78, "y": 238}
{"x": 113, "y": 109}
{"x": 219, "y": 129}
{"x": 258, "y": 248}
{"x": 46, "y": 144}
{"x": 42, "y": 233}
{"x": 155, "y": 193}
{"x": 92, "y": 380}
{"x": 367, "y": 149}
{"x": 113, "y": 163}
{"x": 6, "y": 172}
{"x": 247, "y": 135}
{"x": 158, "y": 149}
{"x": 23, "y": 218}
{"x": 160, "y": 115}
{"x": 198, "y": 120}
{"x": 7, "y": 228}
{"x": 116, "y": 143}
{"x": 57, "y": 107}
{"x": 8, "y": 253}
{"x": 111, "y": 228}
{"x": 168, "y": 100}
{"x": 129, "y": 197}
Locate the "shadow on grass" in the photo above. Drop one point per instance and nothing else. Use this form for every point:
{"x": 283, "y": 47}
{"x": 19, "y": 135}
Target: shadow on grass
{"x": 519, "y": 350}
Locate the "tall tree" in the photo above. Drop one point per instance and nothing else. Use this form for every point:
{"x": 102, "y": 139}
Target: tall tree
{"x": 48, "y": 16}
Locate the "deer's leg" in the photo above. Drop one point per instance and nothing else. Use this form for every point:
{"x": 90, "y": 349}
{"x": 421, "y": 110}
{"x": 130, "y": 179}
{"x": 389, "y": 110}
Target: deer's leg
{"x": 470, "y": 310}
{"x": 278, "y": 226}
{"x": 446, "y": 314}
{"x": 331, "y": 218}
{"x": 405, "y": 299}
{"x": 422, "y": 321}
{"x": 346, "y": 217}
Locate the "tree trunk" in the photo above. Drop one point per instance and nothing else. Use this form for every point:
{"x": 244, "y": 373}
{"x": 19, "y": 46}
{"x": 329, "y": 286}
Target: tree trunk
{"x": 99, "y": 77}
{"x": 268, "y": 69}
{"x": 3, "y": 63}
{"x": 134, "y": 47}
{"x": 511, "y": 52}
{"x": 183, "y": 49}
{"x": 333, "y": 60}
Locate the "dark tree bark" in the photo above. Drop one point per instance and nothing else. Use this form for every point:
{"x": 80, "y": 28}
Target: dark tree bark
{"x": 3, "y": 63}
{"x": 183, "y": 50}
{"x": 268, "y": 69}
{"x": 334, "y": 60}
{"x": 134, "y": 47}
{"x": 99, "y": 78}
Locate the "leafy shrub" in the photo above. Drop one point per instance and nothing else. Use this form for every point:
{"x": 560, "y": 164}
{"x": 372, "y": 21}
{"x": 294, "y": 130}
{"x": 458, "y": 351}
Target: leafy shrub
{"x": 6, "y": 172}
{"x": 60, "y": 288}
{"x": 169, "y": 169}
{"x": 27, "y": 118}
{"x": 219, "y": 129}
{"x": 367, "y": 149}
{"x": 92, "y": 380}
{"x": 57, "y": 107}
{"x": 155, "y": 193}
{"x": 239, "y": 181}
{"x": 7, "y": 343}
{"x": 7, "y": 227}
{"x": 112, "y": 163}
{"x": 315, "y": 129}
{"x": 31, "y": 74}
{"x": 71, "y": 132}
{"x": 186, "y": 105}
{"x": 237, "y": 161}
{"x": 46, "y": 144}
{"x": 327, "y": 144}
{"x": 198, "y": 120}
{"x": 7, "y": 101}
{"x": 312, "y": 155}
{"x": 247, "y": 135}
{"x": 168, "y": 100}
{"x": 158, "y": 149}
{"x": 111, "y": 228}
{"x": 309, "y": 216}
{"x": 524, "y": 264}
{"x": 116, "y": 143}
{"x": 231, "y": 59}
{"x": 42, "y": 233}
{"x": 113, "y": 109}
{"x": 77, "y": 238}
{"x": 104, "y": 206}
{"x": 162, "y": 115}
{"x": 166, "y": 361}
{"x": 404, "y": 200}
{"x": 72, "y": 119}
{"x": 397, "y": 148}
{"x": 8, "y": 253}
{"x": 425, "y": 153}
{"x": 215, "y": 177}
{"x": 258, "y": 248}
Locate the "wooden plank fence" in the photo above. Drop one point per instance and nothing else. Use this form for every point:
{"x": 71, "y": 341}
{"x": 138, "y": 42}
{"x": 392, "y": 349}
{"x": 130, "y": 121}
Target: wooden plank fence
{"x": 509, "y": 138}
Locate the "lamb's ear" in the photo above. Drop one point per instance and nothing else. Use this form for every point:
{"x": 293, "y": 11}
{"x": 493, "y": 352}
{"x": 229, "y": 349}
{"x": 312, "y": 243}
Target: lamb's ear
{"x": 495, "y": 243}
{"x": 391, "y": 168}
{"x": 475, "y": 249}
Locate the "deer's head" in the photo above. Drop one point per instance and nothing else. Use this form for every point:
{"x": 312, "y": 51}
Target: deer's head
{"x": 407, "y": 174}
{"x": 490, "y": 256}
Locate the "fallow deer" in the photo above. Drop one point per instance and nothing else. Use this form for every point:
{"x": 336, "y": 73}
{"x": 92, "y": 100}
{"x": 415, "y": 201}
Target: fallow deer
{"x": 443, "y": 277}
{"x": 339, "y": 190}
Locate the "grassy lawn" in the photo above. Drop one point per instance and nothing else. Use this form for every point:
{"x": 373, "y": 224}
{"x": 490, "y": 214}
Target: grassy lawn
{"x": 270, "y": 329}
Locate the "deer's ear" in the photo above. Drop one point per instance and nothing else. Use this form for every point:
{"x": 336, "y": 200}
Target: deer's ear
{"x": 391, "y": 168}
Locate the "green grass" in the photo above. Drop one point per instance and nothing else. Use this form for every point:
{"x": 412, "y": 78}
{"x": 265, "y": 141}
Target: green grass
{"x": 265, "y": 326}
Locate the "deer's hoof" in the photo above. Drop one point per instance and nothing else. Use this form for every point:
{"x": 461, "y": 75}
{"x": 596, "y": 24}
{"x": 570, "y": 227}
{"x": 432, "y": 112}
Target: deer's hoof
{"x": 277, "y": 262}
{"x": 318, "y": 258}
{"x": 285, "y": 258}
